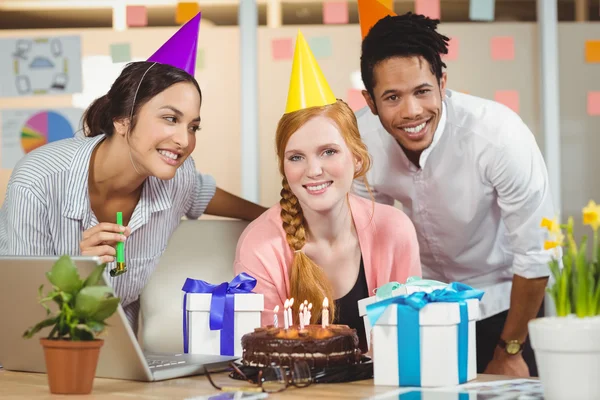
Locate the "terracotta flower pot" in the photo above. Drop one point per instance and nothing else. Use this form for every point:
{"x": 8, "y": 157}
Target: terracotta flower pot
{"x": 71, "y": 366}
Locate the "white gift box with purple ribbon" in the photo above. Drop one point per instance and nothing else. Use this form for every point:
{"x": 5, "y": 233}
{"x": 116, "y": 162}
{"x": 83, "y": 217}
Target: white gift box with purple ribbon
{"x": 413, "y": 284}
{"x": 215, "y": 317}
{"x": 426, "y": 339}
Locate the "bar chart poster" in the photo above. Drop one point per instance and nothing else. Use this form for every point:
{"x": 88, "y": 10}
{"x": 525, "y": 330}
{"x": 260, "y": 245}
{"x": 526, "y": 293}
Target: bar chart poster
{"x": 24, "y": 130}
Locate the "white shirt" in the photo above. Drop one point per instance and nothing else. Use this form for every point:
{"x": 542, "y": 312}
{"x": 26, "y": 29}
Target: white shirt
{"x": 476, "y": 202}
{"x": 47, "y": 208}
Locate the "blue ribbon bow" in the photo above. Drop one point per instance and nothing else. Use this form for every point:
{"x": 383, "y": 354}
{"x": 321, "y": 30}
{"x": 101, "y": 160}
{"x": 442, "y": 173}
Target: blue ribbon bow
{"x": 409, "y": 337}
{"x": 222, "y": 306}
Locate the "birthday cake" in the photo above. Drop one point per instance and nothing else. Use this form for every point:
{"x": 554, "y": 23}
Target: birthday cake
{"x": 319, "y": 347}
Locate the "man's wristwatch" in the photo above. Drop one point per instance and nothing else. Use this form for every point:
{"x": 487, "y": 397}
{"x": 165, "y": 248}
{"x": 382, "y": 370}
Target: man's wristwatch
{"x": 512, "y": 347}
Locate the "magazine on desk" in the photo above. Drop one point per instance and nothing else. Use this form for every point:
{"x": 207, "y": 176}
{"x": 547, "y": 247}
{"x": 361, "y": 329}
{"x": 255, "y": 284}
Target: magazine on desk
{"x": 513, "y": 389}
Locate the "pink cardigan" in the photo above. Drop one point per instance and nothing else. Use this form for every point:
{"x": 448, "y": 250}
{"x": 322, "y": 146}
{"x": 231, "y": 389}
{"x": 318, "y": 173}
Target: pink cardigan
{"x": 388, "y": 243}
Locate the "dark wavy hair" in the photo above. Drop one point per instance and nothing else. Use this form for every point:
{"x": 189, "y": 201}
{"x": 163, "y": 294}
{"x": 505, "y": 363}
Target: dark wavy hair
{"x": 118, "y": 102}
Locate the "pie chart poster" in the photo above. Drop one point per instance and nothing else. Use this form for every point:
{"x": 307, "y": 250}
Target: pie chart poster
{"x": 39, "y": 66}
{"x": 25, "y": 130}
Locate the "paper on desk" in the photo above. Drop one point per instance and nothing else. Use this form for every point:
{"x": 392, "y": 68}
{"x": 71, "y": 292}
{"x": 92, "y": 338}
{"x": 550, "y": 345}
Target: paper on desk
{"x": 232, "y": 396}
{"x": 512, "y": 389}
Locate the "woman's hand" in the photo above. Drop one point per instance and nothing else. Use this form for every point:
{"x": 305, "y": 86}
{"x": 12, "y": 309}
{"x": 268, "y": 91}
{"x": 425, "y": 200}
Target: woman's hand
{"x": 100, "y": 241}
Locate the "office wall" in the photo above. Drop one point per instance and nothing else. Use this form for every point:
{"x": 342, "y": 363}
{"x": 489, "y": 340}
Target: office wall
{"x": 218, "y": 151}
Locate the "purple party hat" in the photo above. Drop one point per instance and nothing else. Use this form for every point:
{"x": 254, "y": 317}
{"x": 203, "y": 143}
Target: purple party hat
{"x": 181, "y": 48}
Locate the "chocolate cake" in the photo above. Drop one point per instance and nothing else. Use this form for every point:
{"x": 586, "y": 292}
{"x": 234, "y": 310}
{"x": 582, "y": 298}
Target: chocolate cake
{"x": 320, "y": 347}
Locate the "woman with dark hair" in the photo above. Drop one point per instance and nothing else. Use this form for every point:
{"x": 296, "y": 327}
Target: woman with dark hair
{"x": 63, "y": 198}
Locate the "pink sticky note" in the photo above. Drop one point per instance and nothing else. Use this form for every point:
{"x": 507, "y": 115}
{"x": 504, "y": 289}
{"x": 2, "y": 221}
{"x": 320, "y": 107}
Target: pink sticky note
{"x": 452, "y": 49}
{"x": 355, "y": 99}
{"x": 282, "y": 49}
{"x": 593, "y": 103}
{"x": 335, "y": 12}
{"x": 503, "y": 48}
{"x": 137, "y": 16}
{"x": 509, "y": 98}
{"x": 429, "y": 8}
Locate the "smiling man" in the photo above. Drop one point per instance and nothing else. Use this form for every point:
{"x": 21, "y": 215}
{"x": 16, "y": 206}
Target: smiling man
{"x": 469, "y": 174}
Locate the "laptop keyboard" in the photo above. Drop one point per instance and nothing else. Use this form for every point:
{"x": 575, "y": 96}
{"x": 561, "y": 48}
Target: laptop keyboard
{"x": 163, "y": 363}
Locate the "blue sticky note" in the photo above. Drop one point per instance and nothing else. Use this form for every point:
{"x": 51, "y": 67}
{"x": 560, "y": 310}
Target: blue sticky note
{"x": 120, "y": 52}
{"x": 320, "y": 46}
{"x": 481, "y": 10}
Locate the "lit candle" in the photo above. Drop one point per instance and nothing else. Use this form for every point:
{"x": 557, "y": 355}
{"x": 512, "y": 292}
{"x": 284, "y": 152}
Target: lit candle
{"x": 308, "y": 313}
{"x": 325, "y": 314}
{"x": 275, "y": 317}
{"x": 301, "y": 316}
{"x": 290, "y": 317}
{"x": 286, "y": 323}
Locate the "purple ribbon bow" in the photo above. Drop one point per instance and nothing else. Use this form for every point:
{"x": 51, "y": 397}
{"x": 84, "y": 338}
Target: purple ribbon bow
{"x": 222, "y": 306}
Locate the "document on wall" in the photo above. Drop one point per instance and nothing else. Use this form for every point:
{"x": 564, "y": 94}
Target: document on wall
{"x": 24, "y": 130}
{"x": 40, "y": 66}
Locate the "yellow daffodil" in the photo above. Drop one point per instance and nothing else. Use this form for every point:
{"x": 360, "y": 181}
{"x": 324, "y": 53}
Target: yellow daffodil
{"x": 591, "y": 215}
{"x": 556, "y": 236}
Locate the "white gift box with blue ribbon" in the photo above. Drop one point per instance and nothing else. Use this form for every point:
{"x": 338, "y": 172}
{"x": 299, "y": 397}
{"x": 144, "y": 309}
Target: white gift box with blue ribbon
{"x": 426, "y": 339}
{"x": 413, "y": 284}
{"x": 215, "y": 317}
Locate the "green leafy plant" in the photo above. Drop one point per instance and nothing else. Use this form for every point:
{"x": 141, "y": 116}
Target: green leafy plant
{"x": 83, "y": 305}
{"x": 576, "y": 287}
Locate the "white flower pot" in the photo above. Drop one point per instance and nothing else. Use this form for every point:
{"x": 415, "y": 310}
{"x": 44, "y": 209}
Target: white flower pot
{"x": 567, "y": 352}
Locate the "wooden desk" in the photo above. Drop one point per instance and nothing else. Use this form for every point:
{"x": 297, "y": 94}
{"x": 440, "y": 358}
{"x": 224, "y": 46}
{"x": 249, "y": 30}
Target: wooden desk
{"x": 23, "y": 385}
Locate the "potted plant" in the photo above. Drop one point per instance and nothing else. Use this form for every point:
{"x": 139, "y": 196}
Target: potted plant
{"x": 71, "y": 348}
{"x": 567, "y": 346}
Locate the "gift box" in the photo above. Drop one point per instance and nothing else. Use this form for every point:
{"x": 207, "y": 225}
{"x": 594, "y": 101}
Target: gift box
{"x": 215, "y": 317}
{"x": 392, "y": 289}
{"x": 426, "y": 339}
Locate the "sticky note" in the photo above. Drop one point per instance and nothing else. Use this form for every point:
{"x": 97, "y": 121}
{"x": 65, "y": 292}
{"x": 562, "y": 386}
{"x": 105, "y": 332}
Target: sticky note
{"x": 355, "y": 99}
{"x": 593, "y": 103}
{"x": 509, "y": 98}
{"x": 320, "y": 46}
{"x": 428, "y": 8}
{"x": 481, "y": 10}
{"x": 388, "y": 3}
{"x": 137, "y": 16}
{"x": 335, "y": 12}
{"x": 200, "y": 60}
{"x": 120, "y": 52}
{"x": 503, "y": 48}
{"x": 592, "y": 51}
{"x": 185, "y": 12}
{"x": 282, "y": 49}
{"x": 452, "y": 49}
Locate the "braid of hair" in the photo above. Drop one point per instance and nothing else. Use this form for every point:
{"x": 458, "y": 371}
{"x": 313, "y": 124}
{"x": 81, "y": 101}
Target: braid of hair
{"x": 307, "y": 279}
{"x": 292, "y": 217}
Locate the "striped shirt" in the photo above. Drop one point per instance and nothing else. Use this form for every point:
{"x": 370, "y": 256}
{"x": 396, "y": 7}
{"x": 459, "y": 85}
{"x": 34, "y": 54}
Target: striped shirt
{"x": 47, "y": 208}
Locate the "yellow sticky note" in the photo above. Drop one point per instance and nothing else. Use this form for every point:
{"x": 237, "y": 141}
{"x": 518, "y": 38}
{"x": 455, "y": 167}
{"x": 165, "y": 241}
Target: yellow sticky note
{"x": 592, "y": 51}
{"x": 200, "y": 60}
{"x": 185, "y": 12}
{"x": 388, "y": 3}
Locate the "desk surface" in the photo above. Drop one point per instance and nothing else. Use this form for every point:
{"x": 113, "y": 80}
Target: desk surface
{"x": 23, "y": 385}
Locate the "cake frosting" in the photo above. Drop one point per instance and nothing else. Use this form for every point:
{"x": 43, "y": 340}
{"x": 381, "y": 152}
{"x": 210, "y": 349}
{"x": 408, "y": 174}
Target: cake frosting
{"x": 318, "y": 346}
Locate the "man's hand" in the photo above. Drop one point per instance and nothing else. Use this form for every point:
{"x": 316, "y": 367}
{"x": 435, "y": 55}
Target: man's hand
{"x": 506, "y": 364}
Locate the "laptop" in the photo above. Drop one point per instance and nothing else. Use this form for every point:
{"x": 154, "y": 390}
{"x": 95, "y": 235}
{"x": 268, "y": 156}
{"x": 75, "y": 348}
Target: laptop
{"x": 121, "y": 356}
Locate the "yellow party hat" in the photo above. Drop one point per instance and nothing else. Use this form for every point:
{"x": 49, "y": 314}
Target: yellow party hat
{"x": 308, "y": 87}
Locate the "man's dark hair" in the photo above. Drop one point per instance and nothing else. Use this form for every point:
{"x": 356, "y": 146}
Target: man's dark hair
{"x": 405, "y": 35}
